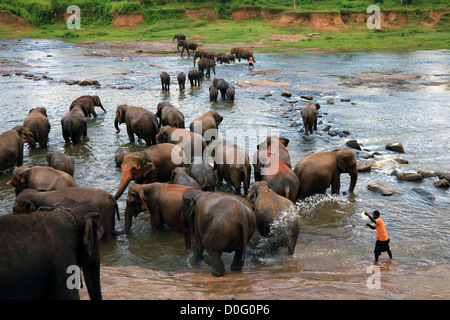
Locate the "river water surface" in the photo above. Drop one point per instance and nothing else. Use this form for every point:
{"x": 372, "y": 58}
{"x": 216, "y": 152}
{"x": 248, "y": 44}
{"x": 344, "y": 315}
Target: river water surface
{"x": 394, "y": 97}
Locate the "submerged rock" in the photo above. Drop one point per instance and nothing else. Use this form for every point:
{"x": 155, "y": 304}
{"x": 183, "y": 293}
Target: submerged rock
{"x": 363, "y": 166}
{"x": 425, "y": 194}
{"x": 396, "y": 147}
{"x": 384, "y": 189}
{"x": 442, "y": 183}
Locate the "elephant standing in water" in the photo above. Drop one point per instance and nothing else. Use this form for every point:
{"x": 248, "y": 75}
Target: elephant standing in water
{"x": 37, "y": 122}
{"x": 276, "y": 216}
{"x": 60, "y": 161}
{"x": 37, "y": 250}
{"x": 169, "y": 115}
{"x": 11, "y": 146}
{"x": 208, "y": 124}
{"x": 220, "y": 222}
{"x": 242, "y": 53}
{"x": 208, "y": 64}
{"x": 165, "y": 81}
{"x": 139, "y": 122}
{"x": 204, "y": 53}
{"x": 181, "y": 78}
{"x": 318, "y": 171}
{"x": 195, "y": 77}
{"x": 74, "y": 124}
{"x": 89, "y": 103}
{"x": 309, "y": 117}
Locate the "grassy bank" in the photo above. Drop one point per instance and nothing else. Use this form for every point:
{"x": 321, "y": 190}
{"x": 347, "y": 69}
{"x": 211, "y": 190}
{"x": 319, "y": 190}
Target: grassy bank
{"x": 219, "y": 24}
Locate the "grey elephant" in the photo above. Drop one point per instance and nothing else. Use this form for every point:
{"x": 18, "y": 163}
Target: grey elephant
{"x": 180, "y": 175}
{"x": 11, "y": 146}
{"x": 40, "y": 263}
{"x": 208, "y": 64}
{"x": 139, "y": 121}
{"x": 40, "y": 178}
{"x": 203, "y": 173}
{"x": 229, "y": 94}
{"x": 165, "y": 81}
{"x": 219, "y": 222}
{"x": 74, "y": 124}
{"x": 179, "y": 36}
{"x": 89, "y": 103}
{"x": 213, "y": 93}
{"x": 242, "y": 53}
{"x": 37, "y": 122}
{"x": 186, "y": 45}
{"x": 29, "y": 200}
{"x": 195, "y": 77}
{"x": 169, "y": 115}
{"x": 276, "y": 217}
{"x": 181, "y": 78}
{"x": 207, "y": 124}
{"x": 309, "y": 116}
{"x": 204, "y": 53}
{"x": 221, "y": 85}
{"x": 60, "y": 161}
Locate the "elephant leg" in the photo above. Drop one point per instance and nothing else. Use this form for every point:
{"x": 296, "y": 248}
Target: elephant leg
{"x": 130, "y": 134}
{"x": 217, "y": 266}
{"x": 236, "y": 182}
{"x": 237, "y": 261}
{"x": 335, "y": 185}
{"x": 198, "y": 250}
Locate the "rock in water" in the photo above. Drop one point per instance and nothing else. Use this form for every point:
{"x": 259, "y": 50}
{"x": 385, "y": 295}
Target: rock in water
{"x": 353, "y": 144}
{"x": 396, "y": 147}
{"x": 286, "y": 93}
{"x": 408, "y": 176}
{"x": 330, "y": 101}
{"x": 425, "y": 194}
{"x": 442, "y": 183}
{"x": 363, "y": 166}
{"x": 383, "y": 188}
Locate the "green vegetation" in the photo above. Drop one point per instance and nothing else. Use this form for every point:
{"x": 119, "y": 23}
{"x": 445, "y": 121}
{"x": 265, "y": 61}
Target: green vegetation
{"x": 164, "y": 18}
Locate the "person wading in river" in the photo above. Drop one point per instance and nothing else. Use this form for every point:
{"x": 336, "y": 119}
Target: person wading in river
{"x": 250, "y": 63}
{"x": 382, "y": 243}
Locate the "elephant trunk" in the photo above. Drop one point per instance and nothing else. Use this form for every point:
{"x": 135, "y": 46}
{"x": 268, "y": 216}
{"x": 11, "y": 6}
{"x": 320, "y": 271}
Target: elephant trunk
{"x": 214, "y": 69}
{"x": 116, "y": 125}
{"x": 125, "y": 179}
{"x": 353, "y": 180}
{"x": 128, "y": 221}
{"x": 92, "y": 280}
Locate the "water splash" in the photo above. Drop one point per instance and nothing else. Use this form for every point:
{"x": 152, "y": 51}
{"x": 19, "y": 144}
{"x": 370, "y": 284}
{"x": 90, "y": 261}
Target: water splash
{"x": 311, "y": 204}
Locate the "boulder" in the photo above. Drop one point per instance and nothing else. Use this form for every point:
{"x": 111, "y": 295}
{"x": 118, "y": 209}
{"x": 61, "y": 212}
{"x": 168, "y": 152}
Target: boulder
{"x": 363, "y": 166}
{"x": 286, "y": 93}
{"x": 345, "y": 100}
{"x": 443, "y": 175}
{"x": 401, "y": 161}
{"x": 353, "y": 144}
{"x": 407, "y": 176}
{"x": 307, "y": 97}
{"x": 442, "y": 183}
{"x": 330, "y": 101}
{"x": 382, "y": 188}
{"x": 427, "y": 174}
{"x": 87, "y": 82}
{"x": 396, "y": 147}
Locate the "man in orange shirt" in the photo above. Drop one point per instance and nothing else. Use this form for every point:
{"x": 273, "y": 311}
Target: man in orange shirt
{"x": 250, "y": 63}
{"x": 382, "y": 243}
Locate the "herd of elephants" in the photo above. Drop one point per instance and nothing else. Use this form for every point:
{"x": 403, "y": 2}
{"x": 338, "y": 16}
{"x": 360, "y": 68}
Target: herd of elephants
{"x": 55, "y": 223}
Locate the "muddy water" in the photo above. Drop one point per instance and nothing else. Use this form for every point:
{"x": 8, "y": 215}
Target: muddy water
{"x": 394, "y": 97}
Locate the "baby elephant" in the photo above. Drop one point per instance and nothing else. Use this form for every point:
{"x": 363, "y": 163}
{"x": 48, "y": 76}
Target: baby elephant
{"x": 276, "y": 217}
{"x": 60, "y": 161}
{"x": 181, "y": 176}
{"x": 229, "y": 94}
{"x": 165, "y": 81}
{"x": 213, "y": 93}
{"x": 181, "y": 80}
{"x": 309, "y": 117}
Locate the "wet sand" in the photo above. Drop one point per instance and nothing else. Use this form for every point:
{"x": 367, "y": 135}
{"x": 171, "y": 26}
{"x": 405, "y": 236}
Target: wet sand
{"x": 136, "y": 283}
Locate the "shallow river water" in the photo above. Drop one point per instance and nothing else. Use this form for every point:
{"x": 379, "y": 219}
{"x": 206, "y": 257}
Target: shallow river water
{"x": 394, "y": 97}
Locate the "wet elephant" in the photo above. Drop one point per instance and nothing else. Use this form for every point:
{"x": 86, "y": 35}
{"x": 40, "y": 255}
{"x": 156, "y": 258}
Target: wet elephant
{"x": 318, "y": 171}
{"x": 221, "y": 85}
{"x": 37, "y": 122}
{"x": 181, "y": 78}
{"x": 309, "y": 117}
{"x": 35, "y": 263}
{"x": 169, "y": 115}
{"x": 186, "y": 45}
{"x": 179, "y": 36}
{"x": 165, "y": 81}
{"x": 208, "y": 64}
{"x": 154, "y": 164}
{"x": 60, "y": 161}
{"x": 139, "y": 121}
{"x": 162, "y": 200}
{"x": 180, "y": 175}
{"x": 11, "y": 146}
{"x": 74, "y": 124}
{"x": 40, "y": 178}
{"x": 242, "y": 53}
{"x": 29, "y": 200}
{"x": 203, "y": 173}
{"x": 279, "y": 177}
{"x": 220, "y": 222}
{"x": 204, "y": 53}
{"x": 213, "y": 93}
{"x": 229, "y": 93}
{"x": 195, "y": 77}
{"x": 231, "y": 162}
{"x": 276, "y": 217}
{"x": 278, "y": 146}
{"x": 89, "y": 103}
{"x": 207, "y": 125}
{"x": 192, "y": 143}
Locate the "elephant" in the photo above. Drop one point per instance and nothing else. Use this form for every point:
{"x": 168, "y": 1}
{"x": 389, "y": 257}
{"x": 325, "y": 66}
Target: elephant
{"x": 229, "y": 94}
{"x": 40, "y": 178}
{"x": 231, "y": 58}
{"x": 242, "y": 53}
{"x": 169, "y": 115}
{"x": 37, "y": 122}
{"x": 195, "y": 77}
{"x": 162, "y": 200}
{"x": 89, "y": 103}
{"x": 37, "y": 250}
{"x": 277, "y": 146}
{"x": 207, "y": 125}
{"x": 11, "y": 146}
{"x": 165, "y": 81}
{"x": 181, "y": 78}
{"x": 219, "y": 55}
{"x": 220, "y": 222}
{"x": 60, "y": 161}
{"x": 309, "y": 117}
{"x": 221, "y": 85}
{"x": 279, "y": 177}
{"x": 203, "y": 173}
{"x": 179, "y": 36}
{"x": 318, "y": 171}
{"x": 180, "y": 175}
{"x": 118, "y": 157}
{"x": 191, "y": 143}
{"x": 213, "y": 93}
{"x": 73, "y": 124}
{"x": 231, "y": 162}
{"x": 139, "y": 122}
{"x": 204, "y": 53}
{"x": 208, "y": 64}
{"x": 29, "y": 200}
{"x": 186, "y": 45}
{"x": 276, "y": 216}
{"x": 223, "y": 59}
{"x": 154, "y": 164}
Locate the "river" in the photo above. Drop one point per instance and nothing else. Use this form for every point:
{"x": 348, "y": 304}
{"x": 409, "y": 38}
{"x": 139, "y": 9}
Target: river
{"x": 394, "y": 97}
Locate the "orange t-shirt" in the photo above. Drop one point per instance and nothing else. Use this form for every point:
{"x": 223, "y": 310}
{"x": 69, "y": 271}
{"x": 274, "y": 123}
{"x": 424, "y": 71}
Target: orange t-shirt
{"x": 382, "y": 234}
{"x": 250, "y": 60}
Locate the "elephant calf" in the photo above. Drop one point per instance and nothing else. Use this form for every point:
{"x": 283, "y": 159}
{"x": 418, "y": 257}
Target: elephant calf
{"x": 220, "y": 222}
{"x": 11, "y": 146}
{"x": 60, "y": 161}
{"x": 37, "y": 122}
{"x": 276, "y": 216}
{"x": 181, "y": 78}
{"x": 165, "y": 81}
{"x": 309, "y": 117}
{"x": 203, "y": 173}
{"x": 180, "y": 175}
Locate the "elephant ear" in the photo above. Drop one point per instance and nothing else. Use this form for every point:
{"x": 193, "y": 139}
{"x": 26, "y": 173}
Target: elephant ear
{"x": 147, "y": 165}
{"x": 342, "y": 163}
{"x": 93, "y": 232}
{"x": 284, "y": 141}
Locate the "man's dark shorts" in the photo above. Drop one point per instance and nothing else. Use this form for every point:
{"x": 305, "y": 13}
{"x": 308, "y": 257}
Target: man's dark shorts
{"x": 381, "y": 246}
